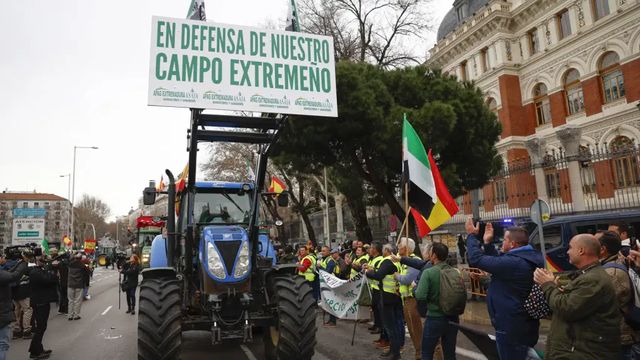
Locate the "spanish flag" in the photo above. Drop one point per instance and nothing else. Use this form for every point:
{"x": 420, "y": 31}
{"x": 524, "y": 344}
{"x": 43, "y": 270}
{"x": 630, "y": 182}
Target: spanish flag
{"x": 277, "y": 186}
{"x": 161, "y": 186}
{"x": 430, "y": 201}
{"x": 182, "y": 179}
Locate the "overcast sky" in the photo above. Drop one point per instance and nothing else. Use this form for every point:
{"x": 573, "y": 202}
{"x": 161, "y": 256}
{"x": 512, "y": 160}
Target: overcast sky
{"x": 75, "y": 72}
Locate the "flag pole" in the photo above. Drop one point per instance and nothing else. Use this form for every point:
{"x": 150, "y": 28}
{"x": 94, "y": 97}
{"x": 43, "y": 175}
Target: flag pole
{"x": 406, "y": 214}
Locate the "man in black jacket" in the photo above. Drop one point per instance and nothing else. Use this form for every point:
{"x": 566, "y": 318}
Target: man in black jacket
{"x": 75, "y": 283}
{"x": 6, "y": 305}
{"x": 392, "y": 317}
{"x": 44, "y": 282}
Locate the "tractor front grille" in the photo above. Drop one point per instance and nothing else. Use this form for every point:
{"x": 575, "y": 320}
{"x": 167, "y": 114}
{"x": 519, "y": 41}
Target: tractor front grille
{"x": 229, "y": 251}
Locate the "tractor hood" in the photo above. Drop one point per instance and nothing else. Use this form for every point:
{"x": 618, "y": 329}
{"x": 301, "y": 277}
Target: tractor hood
{"x": 225, "y": 253}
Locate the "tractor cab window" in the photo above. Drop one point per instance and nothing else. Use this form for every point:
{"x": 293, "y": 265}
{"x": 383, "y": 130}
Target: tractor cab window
{"x": 222, "y": 208}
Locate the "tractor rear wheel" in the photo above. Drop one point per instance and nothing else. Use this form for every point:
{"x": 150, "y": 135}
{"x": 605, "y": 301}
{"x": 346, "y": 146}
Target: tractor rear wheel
{"x": 294, "y": 335}
{"x": 159, "y": 316}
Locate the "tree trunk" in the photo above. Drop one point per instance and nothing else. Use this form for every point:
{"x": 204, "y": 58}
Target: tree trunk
{"x": 359, "y": 213}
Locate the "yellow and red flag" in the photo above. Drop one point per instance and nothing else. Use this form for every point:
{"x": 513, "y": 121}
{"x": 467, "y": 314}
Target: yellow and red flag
{"x": 182, "y": 179}
{"x": 431, "y": 203}
{"x": 277, "y": 186}
{"x": 161, "y": 186}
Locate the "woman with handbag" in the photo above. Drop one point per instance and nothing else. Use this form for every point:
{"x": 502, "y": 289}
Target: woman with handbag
{"x": 131, "y": 270}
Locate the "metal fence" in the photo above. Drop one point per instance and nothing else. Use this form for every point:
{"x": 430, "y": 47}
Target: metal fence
{"x": 609, "y": 178}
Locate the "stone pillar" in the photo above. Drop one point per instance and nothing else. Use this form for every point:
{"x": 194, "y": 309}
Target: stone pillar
{"x": 535, "y": 147}
{"x": 541, "y": 29}
{"x": 524, "y": 45}
{"x": 500, "y": 52}
{"x": 570, "y": 138}
{"x": 552, "y": 28}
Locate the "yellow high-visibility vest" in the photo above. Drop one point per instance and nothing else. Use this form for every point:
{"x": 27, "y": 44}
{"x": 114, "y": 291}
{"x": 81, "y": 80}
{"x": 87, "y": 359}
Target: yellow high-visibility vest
{"x": 310, "y": 273}
{"x": 360, "y": 260}
{"x": 375, "y": 264}
{"x": 405, "y": 290}
{"x": 389, "y": 282}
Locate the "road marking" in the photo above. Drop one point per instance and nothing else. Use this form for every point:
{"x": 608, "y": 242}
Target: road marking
{"x": 107, "y": 310}
{"x": 248, "y": 352}
{"x": 470, "y": 354}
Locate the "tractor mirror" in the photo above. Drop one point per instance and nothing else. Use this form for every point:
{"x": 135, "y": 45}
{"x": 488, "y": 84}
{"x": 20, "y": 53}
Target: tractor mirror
{"x": 149, "y": 196}
{"x": 283, "y": 199}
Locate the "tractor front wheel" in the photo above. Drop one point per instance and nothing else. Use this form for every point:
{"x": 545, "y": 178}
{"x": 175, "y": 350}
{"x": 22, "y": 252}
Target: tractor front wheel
{"x": 159, "y": 316}
{"x": 294, "y": 333}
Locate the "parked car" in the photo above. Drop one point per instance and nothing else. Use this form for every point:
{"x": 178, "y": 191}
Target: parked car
{"x": 559, "y": 231}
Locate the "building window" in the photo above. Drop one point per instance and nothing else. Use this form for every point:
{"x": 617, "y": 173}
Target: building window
{"x": 552, "y": 180}
{"x": 543, "y": 107}
{"x": 625, "y": 163}
{"x": 564, "y": 24}
{"x": 25, "y": 204}
{"x": 612, "y": 78}
{"x": 600, "y": 8}
{"x": 36, "y": 204}
{"x": 534, "y": 44}
{"x": 573, "y": 90}
{"x": 587, "y": 174}
{"x": 500, "y": 190}
{"x": 464, "y": 71}
{"x": 460, "y": 13}
{"x": 484, "y": 59}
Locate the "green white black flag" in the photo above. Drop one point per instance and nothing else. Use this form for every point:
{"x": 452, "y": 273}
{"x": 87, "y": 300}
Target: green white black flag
{"x": 196, "y": 10}
{"x": 292, "y": 17}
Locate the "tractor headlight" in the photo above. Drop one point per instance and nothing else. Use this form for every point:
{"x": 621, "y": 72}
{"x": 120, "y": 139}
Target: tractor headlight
{"x": 242, "y": 265}
{"x": 215, "y": 263}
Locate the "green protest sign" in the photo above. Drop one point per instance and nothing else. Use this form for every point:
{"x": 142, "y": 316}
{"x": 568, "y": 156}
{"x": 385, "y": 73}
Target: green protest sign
{"x": 206, "y": 65}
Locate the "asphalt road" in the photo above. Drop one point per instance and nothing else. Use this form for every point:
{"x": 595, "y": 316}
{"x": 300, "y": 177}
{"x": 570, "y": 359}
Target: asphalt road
{"x": 105, "y": 332}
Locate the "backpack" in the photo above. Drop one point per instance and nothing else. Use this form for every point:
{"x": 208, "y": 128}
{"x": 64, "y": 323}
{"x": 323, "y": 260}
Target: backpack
{"x": 632, "y": 317}
{"x": 536, "y": 304}
{"x": 453, "y": 293}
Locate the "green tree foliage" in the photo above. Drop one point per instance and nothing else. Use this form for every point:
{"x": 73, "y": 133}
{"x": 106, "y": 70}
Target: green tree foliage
{"x": 364, "y": 147}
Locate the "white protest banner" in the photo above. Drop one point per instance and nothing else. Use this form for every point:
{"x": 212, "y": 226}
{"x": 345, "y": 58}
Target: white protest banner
{"x": 207, "y": 65}
{"x": 340, "y": 297}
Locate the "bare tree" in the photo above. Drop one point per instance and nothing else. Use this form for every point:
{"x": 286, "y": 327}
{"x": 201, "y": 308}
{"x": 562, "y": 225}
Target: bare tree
{"x": 383, "y": 32}
{"x": 90, "y": 210}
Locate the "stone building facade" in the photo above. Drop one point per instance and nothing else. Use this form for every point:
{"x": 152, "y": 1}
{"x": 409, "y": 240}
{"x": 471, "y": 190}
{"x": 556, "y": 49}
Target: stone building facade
{"x": 56, "y": 209}
{"x": 563, "y": 78}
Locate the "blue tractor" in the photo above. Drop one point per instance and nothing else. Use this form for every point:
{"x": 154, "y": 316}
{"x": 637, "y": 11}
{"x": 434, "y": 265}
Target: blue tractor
{"x": 215, "y": 272}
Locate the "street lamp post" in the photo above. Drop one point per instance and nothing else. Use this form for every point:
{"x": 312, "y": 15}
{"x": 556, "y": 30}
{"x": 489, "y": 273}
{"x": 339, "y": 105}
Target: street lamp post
{"x": 73, "y": 193}
{"x": 68, "y": 176}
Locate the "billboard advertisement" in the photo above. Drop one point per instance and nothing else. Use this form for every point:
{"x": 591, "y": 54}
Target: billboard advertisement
{"x": 206, "y": 65}
{"x": 27, "y": 231}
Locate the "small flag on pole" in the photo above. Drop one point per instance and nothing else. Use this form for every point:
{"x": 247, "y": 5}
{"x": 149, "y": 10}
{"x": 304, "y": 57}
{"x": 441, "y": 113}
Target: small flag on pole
{"x": 161, "y": 186}
{"x": 430, "y": 201}
{"x": 277, "y": 186}
{"x": 196, "y": 10}
{"x": 292, "y": 17}
{"x": 45, "y": 246}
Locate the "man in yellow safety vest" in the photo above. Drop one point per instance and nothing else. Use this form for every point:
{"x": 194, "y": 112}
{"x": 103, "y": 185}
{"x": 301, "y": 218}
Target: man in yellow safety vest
{"x": 407, "y": 280}
{"x": 306, "y": 266}
{"x": 390, "y": 300}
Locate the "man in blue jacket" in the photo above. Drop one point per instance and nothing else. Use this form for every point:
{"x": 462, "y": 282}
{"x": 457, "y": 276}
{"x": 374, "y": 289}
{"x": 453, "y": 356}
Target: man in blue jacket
{"x": 511, "y": 282}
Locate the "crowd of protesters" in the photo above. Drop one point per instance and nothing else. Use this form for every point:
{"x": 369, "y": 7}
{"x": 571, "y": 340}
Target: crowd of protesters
{"x": 28, "y": 286}
{"x": 592, "y": 310}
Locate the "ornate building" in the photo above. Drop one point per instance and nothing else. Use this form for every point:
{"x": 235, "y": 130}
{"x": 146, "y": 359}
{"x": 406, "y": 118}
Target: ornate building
{"x": 563, "y": 78}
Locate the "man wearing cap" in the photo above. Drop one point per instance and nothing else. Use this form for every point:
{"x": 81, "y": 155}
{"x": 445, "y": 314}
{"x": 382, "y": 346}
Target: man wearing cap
{"x": 330, "y": 265}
